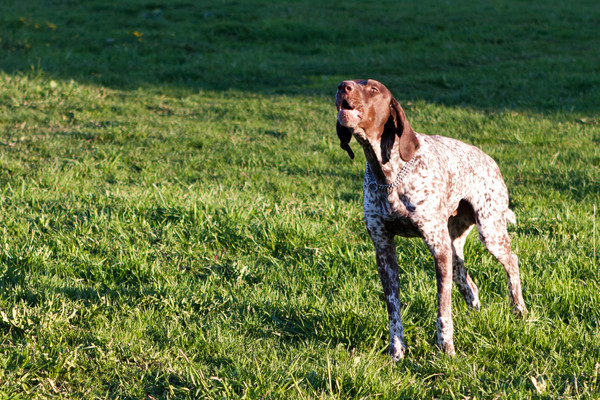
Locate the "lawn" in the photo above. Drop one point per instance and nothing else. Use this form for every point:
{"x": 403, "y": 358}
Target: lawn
{"x": 177, "y": 219}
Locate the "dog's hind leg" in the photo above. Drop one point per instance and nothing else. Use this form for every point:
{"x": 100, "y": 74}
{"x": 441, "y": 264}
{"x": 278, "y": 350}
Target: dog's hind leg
{"x": 493, "y": 234}
{"x": 459, "y": 226}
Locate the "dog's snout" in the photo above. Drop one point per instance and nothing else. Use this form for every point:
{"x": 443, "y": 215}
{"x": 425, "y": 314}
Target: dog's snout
{"x": 346, "y": 87}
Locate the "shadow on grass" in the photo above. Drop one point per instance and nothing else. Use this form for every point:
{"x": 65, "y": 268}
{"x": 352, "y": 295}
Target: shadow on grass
{"x": 485, "y": 55}
{"x": 330, "y": 327}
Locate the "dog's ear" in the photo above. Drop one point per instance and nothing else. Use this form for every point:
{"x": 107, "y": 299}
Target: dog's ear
{"x": 345, "y": 134}
{"x": 408, "y": 139}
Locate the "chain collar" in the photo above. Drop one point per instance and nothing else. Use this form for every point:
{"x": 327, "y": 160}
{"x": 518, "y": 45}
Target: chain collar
{"x": 373, "y": 185}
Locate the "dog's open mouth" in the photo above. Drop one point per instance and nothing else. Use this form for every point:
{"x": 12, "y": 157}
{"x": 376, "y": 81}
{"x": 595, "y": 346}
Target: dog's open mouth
{"x": 348, "y": 115}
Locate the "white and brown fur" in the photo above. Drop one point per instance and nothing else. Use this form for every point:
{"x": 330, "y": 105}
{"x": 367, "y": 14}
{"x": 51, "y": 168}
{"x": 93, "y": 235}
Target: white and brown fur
{"x": 451, "y": 187}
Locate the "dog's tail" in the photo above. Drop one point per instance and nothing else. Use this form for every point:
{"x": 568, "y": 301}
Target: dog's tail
{"x": 510, "y": 216}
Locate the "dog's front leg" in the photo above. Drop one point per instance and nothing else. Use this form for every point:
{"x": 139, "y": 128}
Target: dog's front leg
{"x": 387, "y": 266}
{"x": 440, "y": 246}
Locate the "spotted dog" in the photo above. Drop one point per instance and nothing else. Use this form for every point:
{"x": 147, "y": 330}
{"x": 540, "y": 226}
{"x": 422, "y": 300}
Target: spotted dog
{"x": 431, "y": 187}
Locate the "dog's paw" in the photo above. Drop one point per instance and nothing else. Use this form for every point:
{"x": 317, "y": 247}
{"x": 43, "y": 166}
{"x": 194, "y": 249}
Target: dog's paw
{"x": 397, "y": 349}
{"x": 447, "y": 348}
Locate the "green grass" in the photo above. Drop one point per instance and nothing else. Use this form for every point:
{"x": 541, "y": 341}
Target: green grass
{"x": 177, "y": 219}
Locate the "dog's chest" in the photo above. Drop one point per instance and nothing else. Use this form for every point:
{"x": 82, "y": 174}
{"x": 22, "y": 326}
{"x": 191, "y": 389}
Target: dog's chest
{"x": 395, "y": 210}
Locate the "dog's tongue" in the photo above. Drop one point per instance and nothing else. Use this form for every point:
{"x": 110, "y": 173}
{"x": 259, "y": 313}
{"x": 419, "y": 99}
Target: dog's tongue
{"x": 349, "y": 118}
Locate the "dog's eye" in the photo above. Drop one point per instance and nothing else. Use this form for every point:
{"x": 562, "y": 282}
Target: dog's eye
{"x": 374, "y": 90}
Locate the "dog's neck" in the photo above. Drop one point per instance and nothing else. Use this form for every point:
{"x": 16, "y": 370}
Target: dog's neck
{"x": 382, "y": 154}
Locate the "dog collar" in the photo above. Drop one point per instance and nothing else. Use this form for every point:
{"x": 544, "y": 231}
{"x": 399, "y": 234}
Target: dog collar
{"x": 373, "y": 185}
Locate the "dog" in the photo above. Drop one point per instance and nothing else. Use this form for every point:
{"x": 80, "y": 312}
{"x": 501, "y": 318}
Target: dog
{"x": 432, "y": 187}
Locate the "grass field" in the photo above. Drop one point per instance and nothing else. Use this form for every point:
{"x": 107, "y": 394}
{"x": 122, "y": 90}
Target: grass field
{"x": 177, "y": 219}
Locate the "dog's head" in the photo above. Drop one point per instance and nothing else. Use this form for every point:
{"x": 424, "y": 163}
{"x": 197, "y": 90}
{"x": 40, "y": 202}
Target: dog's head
{"x": 368, "y": 106}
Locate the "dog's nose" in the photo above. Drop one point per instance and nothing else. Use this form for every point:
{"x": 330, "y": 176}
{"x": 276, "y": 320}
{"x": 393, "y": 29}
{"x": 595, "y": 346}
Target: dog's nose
{"x": 346, "y": 86}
